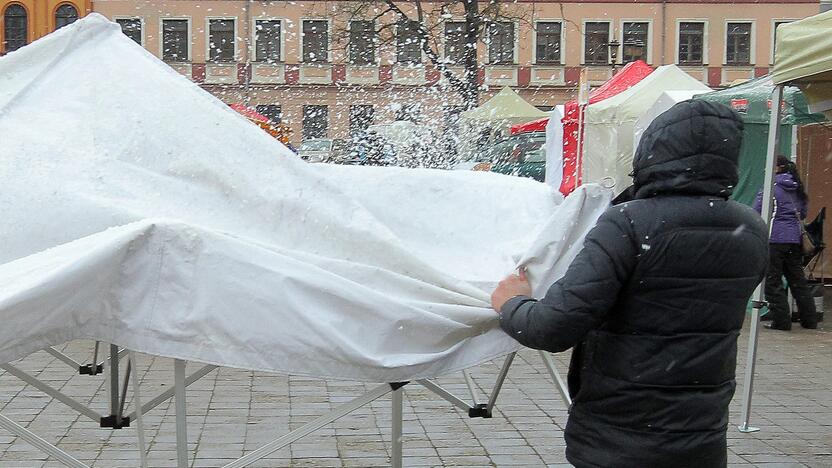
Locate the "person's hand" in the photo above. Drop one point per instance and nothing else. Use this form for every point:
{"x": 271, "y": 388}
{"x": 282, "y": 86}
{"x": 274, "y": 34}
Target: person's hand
{"x": 512, "y": 285}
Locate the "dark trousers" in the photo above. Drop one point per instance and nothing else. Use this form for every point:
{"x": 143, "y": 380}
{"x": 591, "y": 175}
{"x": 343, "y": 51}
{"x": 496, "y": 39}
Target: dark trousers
{"x": 786, "y": 260}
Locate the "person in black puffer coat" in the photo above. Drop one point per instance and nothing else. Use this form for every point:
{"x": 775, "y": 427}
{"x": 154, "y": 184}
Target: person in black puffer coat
{"x": 654, "y": 302}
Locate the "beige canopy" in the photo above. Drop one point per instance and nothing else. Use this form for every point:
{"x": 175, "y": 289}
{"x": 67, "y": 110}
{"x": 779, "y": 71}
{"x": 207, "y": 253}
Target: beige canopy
{"x": 803, "y": 56}
{"x": 505, "y": 107}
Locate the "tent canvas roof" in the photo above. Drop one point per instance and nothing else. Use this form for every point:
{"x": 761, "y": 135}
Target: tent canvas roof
{"x": 752, "y": 100}
{"x": 630, "y": 104}
{"x": 140, "y": 210}
{"x": 803, "y": 55}
{"x": 506, "y": 105}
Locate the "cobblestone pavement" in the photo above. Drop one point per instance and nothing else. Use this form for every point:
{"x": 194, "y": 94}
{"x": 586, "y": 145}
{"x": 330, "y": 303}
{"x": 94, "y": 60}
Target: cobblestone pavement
{"x": 232, "y": 412}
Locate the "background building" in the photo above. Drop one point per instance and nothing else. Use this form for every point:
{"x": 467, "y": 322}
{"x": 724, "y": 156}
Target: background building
{"x": 325, "y": 74}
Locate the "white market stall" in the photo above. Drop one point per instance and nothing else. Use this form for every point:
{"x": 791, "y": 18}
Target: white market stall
{"x": 609, "y": 124}
{"x": 803, "y": 58}
{"x": 554, "y": 148}
{"x": 222, "y": 247}
{"x": 664, "y": 102}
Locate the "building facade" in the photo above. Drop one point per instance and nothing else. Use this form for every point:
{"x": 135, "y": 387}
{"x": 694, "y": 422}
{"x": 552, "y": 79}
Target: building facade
{"x": 24, "y": 21}
{"x": 325, "y": 70}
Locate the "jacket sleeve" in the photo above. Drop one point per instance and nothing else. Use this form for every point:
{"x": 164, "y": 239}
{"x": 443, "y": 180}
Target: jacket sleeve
{"x": 758, "y": 202}
{"x": 580, "y": 301}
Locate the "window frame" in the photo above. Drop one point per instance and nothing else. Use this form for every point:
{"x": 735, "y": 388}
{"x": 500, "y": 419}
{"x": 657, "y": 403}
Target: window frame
{"x": 282, "y": 39}
{"x": 27, "y": 34}
{"x": 373, "y": 40}
{"x": 514, "y": 45}
{"x": 260, "y": 111}
{"x": 705, "y": 41}
{"x": 303, "y": 121}
{"x": 648, "y": 50}
{"x": 584, "y": 24}
{"x": 234, "y": 53}
{"x": 302, "y": 47}
{"x": 774, "y": 22}
{"x": 421, "y": 58}
{"x": 445, "y": 42}
{"x": 752, "y": 48}
{"x": 141, "y": 23}
{"x": 562, "y": 42}
{"x": 352, "y": 131}
{"x": 190, "y": 48}
{"x": 55, "y": 14}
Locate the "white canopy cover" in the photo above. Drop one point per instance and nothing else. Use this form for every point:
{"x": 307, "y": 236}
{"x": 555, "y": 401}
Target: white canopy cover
{"x": 139, "y": 210}
{"x": 663, "y": 104}
{"x": 610, "y": 124}
{"x": 554, "y": 148}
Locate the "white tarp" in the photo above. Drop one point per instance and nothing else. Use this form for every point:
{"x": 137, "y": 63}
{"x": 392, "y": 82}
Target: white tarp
{"x": 664, "y": 102}
{"x": 609, "y": 124}
{"x": 554, "y": 148}
{"x": 139, "y": 210}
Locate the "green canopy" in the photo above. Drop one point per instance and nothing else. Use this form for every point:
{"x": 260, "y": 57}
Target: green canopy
{"x": 752, "y": 100}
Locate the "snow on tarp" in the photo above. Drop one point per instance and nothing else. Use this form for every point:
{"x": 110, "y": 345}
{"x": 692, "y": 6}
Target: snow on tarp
{"x": 142, "y": 211}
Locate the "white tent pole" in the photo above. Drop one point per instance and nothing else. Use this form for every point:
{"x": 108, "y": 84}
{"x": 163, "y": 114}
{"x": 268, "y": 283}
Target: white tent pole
{"x": 396, "y": 432}
{"x": 137, "y": 402}
{"x": 36, "y": 441}
{"x": 579, "y": 148}
{"x": 759, "y": 294}
{"x": 181, "y": 414}
{"x": 549, "y": 362}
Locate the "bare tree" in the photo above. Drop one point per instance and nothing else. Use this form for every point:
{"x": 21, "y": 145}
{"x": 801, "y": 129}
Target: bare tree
{"x": 476, "y": 20}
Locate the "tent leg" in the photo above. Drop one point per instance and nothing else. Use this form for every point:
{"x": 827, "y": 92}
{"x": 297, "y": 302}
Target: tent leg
{"x": 501, "y": 378}
{"x": 137, "y": 402}
{"x": 759, "y": 293}
{"x": 115, "y": 419}
{"x": 549, "y": 361}
{"x": 469, "y": 381}
{"x": 33, "y": 439}
{"x": 396, "y": 436}
{"x": 181, "y": 414}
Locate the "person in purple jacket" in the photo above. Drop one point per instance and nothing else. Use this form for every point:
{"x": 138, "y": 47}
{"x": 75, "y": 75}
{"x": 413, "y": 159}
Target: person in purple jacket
{"x": 785, "y": 252}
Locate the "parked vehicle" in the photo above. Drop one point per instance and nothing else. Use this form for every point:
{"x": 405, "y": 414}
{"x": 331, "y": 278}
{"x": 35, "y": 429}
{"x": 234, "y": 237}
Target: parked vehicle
{"x": 522, "y": 155}
{"x": 317, "y": 150}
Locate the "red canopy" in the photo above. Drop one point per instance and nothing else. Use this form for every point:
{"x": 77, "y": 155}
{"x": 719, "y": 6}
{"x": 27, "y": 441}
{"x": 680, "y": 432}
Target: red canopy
{"x": 249, "y": 113}
{"x": 538, "y": 125}
{"x": 628, "y": 76}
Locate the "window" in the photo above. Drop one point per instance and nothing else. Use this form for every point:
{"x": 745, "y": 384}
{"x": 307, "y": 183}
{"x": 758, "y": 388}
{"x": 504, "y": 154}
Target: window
{"x": 271, "y": 111}
{"x": 15, "y": 27}
{"x": 408, "y": 42}
{"x": 132, "y": 28}
{"x": 777, "y": 24}
{"x": 362, "y": 47}
{"x": 738, "y": 44}
{"x": 315, "y": 41}
{"x": 361, "y": 117}
{"x": 501, "y": 43}
{"x": 64, "y": 15}
{"x": 315, "y": 121}
{"x": 221, "y": 40}
{"x": 455, "y": 42}
{"x": 175, "y": 41}
{"x": 634, "y": 43}
{"x": 548, "y": 42}
{"x": 596, "y": 38}
{"x": 267, "y": 40}
{"x": 691, "y": 43}
{"x": 409, "y": 112}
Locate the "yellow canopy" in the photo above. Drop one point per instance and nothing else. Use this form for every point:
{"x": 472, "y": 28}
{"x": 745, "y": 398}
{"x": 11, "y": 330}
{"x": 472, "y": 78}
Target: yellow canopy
{"x": 505, "y": 107}
{"x": 803, "y": 56}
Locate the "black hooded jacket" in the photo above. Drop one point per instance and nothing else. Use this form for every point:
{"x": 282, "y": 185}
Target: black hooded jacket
{"x": 654, "y": 302}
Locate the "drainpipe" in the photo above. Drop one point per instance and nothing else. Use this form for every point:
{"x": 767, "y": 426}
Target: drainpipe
{"x": 664, "y": 29}
{"x": 249, "y": 4}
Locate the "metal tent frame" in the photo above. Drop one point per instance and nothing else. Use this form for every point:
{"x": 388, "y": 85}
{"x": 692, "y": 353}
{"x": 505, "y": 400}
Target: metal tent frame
{"x": 117, "y": 396}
